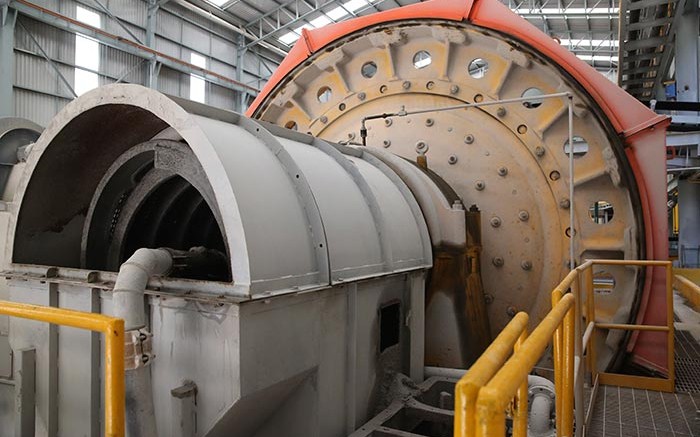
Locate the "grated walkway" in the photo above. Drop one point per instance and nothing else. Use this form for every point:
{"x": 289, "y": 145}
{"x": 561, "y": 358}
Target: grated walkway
{"x": 623, "y": 412}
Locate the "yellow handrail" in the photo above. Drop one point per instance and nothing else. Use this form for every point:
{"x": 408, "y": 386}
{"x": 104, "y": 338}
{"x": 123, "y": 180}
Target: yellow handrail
{"x": 481, "y": 372}
{"x": 495, "y": 396}
{"x": 684, "y": 284}
{"x": 563, "y": 326}
{"x": 113, "y": 330}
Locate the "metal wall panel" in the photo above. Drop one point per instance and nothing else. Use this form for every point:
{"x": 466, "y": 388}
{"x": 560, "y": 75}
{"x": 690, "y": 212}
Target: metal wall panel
{"x": 133, "y": 11}
{"x": 168, "y": 26}
{"x": 197, "y": 38}
{"x": 221, "y": 97}
{"x": 40, "y": 108}
{"x": 179, "y": 31}
{"x": 170, "y": 82}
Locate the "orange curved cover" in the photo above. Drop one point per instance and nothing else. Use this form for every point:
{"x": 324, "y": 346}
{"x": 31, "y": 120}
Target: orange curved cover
{"x": 626, "y": 114}
{"x": 642, "y": 130}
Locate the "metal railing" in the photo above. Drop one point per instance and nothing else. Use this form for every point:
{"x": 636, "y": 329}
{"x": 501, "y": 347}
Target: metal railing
{"x": 484, "y": 396}
{"x": 686, "y": 282}
{"x": 113, "y": 330}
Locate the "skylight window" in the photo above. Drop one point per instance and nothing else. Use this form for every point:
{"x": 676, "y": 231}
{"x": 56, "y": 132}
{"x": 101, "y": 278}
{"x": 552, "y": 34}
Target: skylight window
{"x": 197, "y": 84}
{"x": 87, "y": 54}
{"x": 354, "y": 5}
{"x": 218, "y": 3}
{"x": 289, "y": 38}
{"x": 337, "y": 13}
{"x": 320, "y": 21}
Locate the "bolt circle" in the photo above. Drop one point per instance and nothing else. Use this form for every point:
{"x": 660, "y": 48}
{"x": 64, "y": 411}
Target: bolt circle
{"x": 497, "y": 261}
{"x": 523, "y": 215}
{"x": 495, "y": 222}
{"x": 488, "y": 298}
{"x": 429, "y": 122}
{"x": 502, "y": 171}
{"x": 555, "y": 175}
{"x": 501, "y": 111}
{"x": 539, "y": 151}
{"x": 565, "y": 203}
{"x": 386, "y": 143}
{"x": 362, "y": 96}
{"x": 452, "y": 160}
{"x": 511, "y": 311}
{"x": 388, "y": 122}
{"x": 454, "y": 89}
{"x": 526, "y": 265}
{"x": 406, "y": 84}
{"x": 324, "y": 119}
{"x": 479, "y": 185}
{"x": 469, "y": 139}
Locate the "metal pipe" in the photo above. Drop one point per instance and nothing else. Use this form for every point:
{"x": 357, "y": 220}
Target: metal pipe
{"x": 130, "y": 305}
{"x": 113, "y": 330}
{"x": 444, "y": 372}
{"x": 572, "y": 230}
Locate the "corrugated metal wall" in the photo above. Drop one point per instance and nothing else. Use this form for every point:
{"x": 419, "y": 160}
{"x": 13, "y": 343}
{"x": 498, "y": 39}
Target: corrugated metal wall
{"x": 39, "y": 93}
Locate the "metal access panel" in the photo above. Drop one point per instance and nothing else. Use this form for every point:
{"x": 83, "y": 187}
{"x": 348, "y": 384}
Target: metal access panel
{"x": 309, "y": 363}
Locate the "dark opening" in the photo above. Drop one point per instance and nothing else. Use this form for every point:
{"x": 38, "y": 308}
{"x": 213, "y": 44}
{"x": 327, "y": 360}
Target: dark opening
{"x": 389, "y": 325}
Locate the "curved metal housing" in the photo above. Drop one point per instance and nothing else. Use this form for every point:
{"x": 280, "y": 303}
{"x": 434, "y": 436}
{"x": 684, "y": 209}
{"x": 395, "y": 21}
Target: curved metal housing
{"x": 294, "y": 212}
{"x": 418, "y": 57}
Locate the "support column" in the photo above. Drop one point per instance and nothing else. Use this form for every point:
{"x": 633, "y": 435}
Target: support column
{"x": 689, "y": 223}
{"x": 240, "y": 105}
{"x": 8, "y": 17}
{"x": 152, "y": 74}
{"x": 688, "y": 54}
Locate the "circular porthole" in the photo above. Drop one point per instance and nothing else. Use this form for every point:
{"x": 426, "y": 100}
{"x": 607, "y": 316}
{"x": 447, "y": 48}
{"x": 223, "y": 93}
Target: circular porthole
{"x": 324, "y": 94}
{"x": 422, "y": 59}
{"x": 580, "y": 147}
{"x": 478, "y": 67}
{"x": 369, "y": 69}
{"x": 532, "y": 94}
{"x": 601, "y": 212}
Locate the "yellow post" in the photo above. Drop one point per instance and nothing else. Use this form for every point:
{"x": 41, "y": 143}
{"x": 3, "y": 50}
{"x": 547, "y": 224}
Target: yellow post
{"x": 113, "y": 330}
{"x": 669, "y": 321}
{"x": 567, "y": 403}
{"x": 557, "y": 357}
{"x": 495, "y": 396}
{"x": 520, "y": 410}
{"x": 590, "y": 318}
{"x": 491, "y": 420}
{"x": 481, "y": 372}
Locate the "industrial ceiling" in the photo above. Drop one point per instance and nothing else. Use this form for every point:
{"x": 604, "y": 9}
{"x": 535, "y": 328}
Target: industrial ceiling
{"x": 587, "y": 28}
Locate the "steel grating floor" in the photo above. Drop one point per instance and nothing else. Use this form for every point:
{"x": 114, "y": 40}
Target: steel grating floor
{"x": 622, "y": 412}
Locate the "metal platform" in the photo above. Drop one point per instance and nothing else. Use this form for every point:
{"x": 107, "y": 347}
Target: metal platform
{"x": 631, "y": 412}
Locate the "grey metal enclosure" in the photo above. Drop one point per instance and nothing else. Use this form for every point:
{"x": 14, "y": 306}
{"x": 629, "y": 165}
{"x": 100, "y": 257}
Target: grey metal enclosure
{"x": 310, "y": 301}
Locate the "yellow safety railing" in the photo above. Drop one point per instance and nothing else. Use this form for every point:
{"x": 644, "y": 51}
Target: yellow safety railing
{"x": 687, "y": 283}
{"x": 482, "y": 371}
{"x": 483, "y": 395}
{"x": 113, "y": 330}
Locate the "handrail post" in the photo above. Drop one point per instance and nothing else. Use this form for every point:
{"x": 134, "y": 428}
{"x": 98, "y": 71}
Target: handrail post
{"x": 520, "y": 407}
{"x": 669, "y": 322}
{"x": 468, "y": 388}
{"x": 578, "y": 351}
{"x": 114, "y": 379}
{"x": 567, "y": 404}
{"x": 558, "y": 374}
{"x": 590, "y": 318}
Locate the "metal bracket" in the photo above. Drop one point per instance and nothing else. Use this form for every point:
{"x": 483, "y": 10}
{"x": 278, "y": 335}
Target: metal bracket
{"x": 138, "y": 349}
